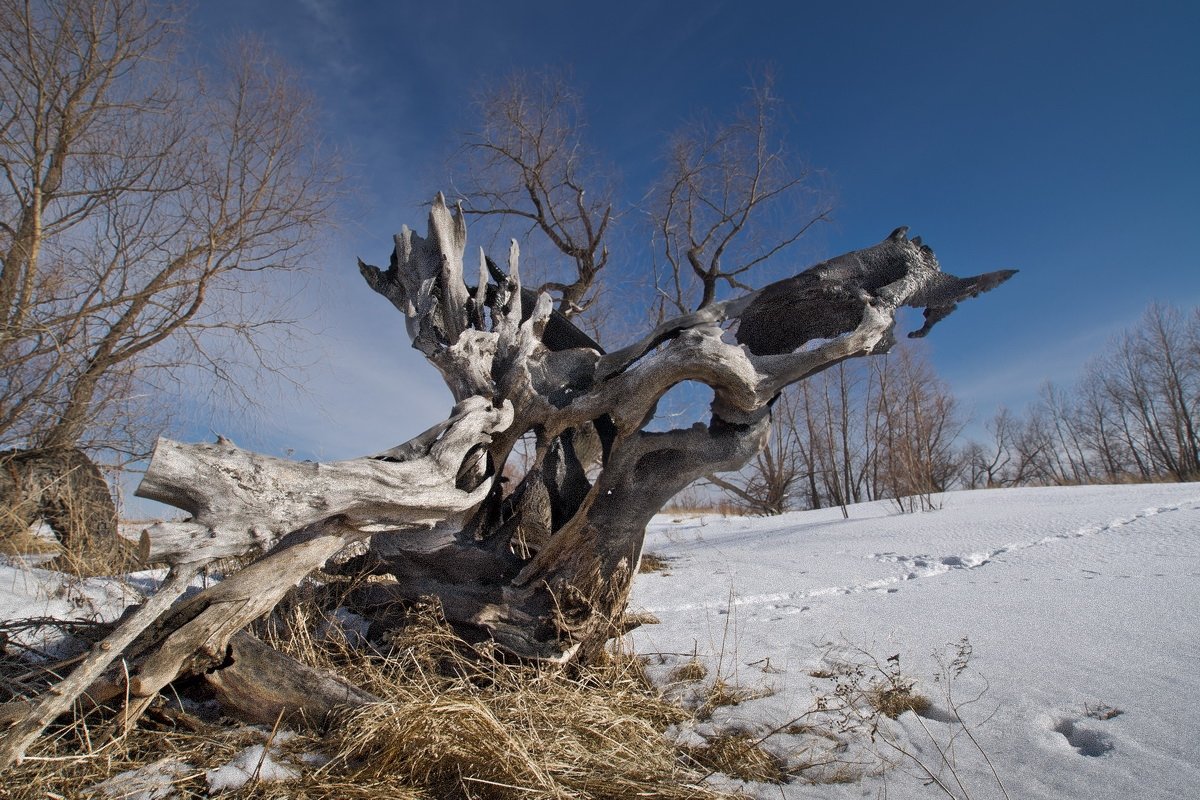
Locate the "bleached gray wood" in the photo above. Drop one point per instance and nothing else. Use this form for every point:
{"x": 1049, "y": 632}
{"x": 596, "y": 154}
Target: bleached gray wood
{"x": 194, "y": 635}
{"x": 559, "y": 595}
{"x": 241, "y": 501}
{"x": 561, "y": 599}
{"x": 305, "y": 512}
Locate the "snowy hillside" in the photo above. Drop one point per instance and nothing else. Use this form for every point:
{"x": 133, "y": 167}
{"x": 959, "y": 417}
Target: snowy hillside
{"x": 1081, "y": 607}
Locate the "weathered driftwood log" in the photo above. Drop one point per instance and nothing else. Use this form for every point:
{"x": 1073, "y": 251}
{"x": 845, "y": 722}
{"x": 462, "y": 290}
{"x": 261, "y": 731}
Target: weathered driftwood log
{"x": 563, "y": 596}
{"x": 259, "y": 684}
{"x": 241, "y": 501}
{"x": 559, "y": 592}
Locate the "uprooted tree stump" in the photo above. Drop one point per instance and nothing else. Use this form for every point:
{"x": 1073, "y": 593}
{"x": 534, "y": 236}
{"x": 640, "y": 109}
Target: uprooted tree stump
{"x": 543, "y": 570}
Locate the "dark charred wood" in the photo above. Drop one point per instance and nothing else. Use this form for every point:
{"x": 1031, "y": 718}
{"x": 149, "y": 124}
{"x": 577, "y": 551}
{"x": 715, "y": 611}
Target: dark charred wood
{"x": 826, "y": 300}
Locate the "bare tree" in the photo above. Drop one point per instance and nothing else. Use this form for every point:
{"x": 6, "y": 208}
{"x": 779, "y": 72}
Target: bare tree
{"x": 769, "y": 483}
{"x": 921, "y": 423}
{"x": 141, "y": 207}
{"x": 1132, "y": 416}
{"x": 528, "y": 163}
{"x": 990, "y": 466}
{"x": 730, "y": 200}
{"x": 1148, "y": 386}
{"x": 141, "y": 210}
{"x": 864, "y": 431}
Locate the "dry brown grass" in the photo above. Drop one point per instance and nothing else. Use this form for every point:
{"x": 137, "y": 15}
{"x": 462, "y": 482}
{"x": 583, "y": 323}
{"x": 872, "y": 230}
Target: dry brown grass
{"x": 455, "y": 721}
{"x": 652, "y": 562}
{"x": 716, "y": 507}
{"x": 893, "y": 697}
{"x": 462, "y": 725}
{"x": 92, "y": 556}
{"x": 688, "y": 673}
{"x": 723, "y": 693}
{"x": 22, "y": 544}
{"x": 741, "y": 757}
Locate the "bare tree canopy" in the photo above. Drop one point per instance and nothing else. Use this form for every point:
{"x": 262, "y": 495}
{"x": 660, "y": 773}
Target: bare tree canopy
{"x": 730, "y": 199}
{"x": 868, "y": 430}
{"x": 139, "y": 204}
{"x": 528, "y": 162}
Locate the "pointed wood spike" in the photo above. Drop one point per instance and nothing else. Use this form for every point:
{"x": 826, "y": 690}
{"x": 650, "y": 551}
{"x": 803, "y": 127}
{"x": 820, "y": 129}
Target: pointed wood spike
{"x": 481, "y": 286}
{"x": 514, "y": 256}
{"x": 514, "y": 281}
{"x": 460, "y": 223}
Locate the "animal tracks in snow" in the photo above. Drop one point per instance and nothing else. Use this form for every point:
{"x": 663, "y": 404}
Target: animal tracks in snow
{"x": 1085, "y": 736}
{"x": 924, "y": 565}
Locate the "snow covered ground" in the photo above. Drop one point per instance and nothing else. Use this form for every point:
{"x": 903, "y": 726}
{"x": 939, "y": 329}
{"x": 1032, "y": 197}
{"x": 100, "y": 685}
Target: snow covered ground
{"x": 1081, "y": 607}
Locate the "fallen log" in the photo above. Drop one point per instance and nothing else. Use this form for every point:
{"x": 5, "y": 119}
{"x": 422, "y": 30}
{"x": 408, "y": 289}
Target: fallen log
{"x": 435, "y": 477}
{"x": 258, "y": 684}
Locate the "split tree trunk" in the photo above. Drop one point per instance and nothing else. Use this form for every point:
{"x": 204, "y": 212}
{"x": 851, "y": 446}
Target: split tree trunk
{"x": 303, "y": 514}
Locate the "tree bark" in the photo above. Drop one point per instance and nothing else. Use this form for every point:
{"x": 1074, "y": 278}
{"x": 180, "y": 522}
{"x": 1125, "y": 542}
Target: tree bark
{"x": 258, "y": 684}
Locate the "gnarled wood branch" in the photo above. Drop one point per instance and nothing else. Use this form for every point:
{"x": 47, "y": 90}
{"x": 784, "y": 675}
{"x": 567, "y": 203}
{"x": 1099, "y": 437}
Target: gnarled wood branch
{"x": 543, "y": 570}
{"x": 558, "y": 598}
{"x": 240, "y": 501}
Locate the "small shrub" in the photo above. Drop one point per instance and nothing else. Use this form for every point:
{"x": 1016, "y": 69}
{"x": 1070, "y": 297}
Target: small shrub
{"x": 893, "y": 696}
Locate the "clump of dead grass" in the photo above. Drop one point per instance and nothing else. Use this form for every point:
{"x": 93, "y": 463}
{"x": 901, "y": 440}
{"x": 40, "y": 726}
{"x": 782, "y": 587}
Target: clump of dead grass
{"x": 652, "y": 562}
{"x": 739, "y": 756}
{"x": 893, "y": 695}
{"x": 464, "y": 724}
{"x": 725, "y": 693}
{"x": 689, "y": 672}
{"x": 455, "y": 721}
{"x": 89, "y": 554}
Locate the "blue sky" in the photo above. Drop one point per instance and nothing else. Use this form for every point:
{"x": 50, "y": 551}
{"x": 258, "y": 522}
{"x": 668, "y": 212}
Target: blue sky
{"x": 1055, "y": 138}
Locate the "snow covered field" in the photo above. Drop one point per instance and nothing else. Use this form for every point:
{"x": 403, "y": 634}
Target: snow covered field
{"x": 1081, "y": 607}
{"x": 1077, "y": 603}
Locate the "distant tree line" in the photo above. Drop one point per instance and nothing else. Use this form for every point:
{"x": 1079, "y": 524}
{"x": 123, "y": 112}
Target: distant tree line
{"x": 857, "y": 432}
{"x": 890, "y": 429}
{"x": 1133, "y": 416}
